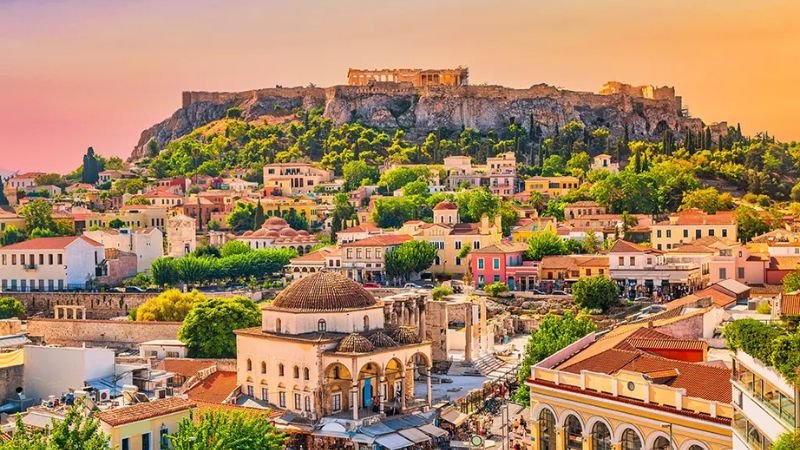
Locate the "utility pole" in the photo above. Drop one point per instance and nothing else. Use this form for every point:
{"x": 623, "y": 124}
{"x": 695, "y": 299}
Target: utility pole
{"x": 671, "y": 442}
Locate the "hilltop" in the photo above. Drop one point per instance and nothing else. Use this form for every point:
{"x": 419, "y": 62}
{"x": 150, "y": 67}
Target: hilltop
{"x": 639, "y": 112}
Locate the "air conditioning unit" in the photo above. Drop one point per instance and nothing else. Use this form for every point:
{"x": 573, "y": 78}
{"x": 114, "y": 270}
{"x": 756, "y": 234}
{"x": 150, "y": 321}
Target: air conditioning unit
{"x": 161, "y": 393}
{"x": 104, "y": 395}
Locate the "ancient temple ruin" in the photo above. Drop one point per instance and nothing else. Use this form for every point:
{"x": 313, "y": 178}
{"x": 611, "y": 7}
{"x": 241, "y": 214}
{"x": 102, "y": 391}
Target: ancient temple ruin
{"x": 417, "y": 77}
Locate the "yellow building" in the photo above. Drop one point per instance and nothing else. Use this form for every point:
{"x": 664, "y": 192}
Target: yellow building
{"x": 534, "y": 225}
{"x": 551, "y": 186}
{"x": 280, "y": 207}
{"x": 8, "y": 219}
{"x": 631, "y": 389}
{"x": 144, "y": 426}
{"x": 132, "y": 216}
{"x": 691, "y": 224}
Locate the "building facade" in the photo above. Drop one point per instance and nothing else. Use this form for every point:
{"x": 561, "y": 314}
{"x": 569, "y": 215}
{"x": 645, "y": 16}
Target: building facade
{"x": 51, "y": 264}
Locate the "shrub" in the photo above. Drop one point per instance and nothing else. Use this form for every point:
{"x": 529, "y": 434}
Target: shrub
{"x": 11, "y": 307}
{"x": 763, "y": 308}
{"x": 440, "y": 291}
{"x": 496, "y": 288}
{"x": 596, "y": 293}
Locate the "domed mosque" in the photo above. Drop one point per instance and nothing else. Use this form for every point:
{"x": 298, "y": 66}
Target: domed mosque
{"x": 276, "y": 232}
{"x": 323, "y": 351}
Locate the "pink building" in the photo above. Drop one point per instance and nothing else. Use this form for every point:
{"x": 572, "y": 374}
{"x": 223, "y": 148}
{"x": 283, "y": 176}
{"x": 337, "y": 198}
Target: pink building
{"x": 737, "y": 262}
{"x": 490, "y": 264}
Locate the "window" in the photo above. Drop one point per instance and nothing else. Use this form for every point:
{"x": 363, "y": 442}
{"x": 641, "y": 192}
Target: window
{"x": 50, "y": 259}
{"x": 632, "y": 260}
{"x": 296, "y": 372}
{"x": 126, "y": 444}
{"x": 496, "y": 263}
{"x": 308, "y": 403}
{"x": 280, "y": 370}
{"x": 631, "y": 441}
{"x": 458, "y": 245}
{"x": 146, "y": 441}
{"x": 250, "y": 391}
{"x": 476, "y": 245}
{"x": 740, "y": 272}
{"x": 480, "y": 263}
{"x": 265, "y": 394}
{"x": 698, "y": 234}
{"x": 574, "y": 433}
{"x": 588, "y": 272}
{"x": 724, "y": 232}
{"x": 662, "y": 443}
{"x": 282, "y": 399}
{"x": 297, "y": 400}
{"x": 547, "y": 430}
{"x": 366, "y": 323}
{"x": 263, "y": 367}
{"x": 336, "y": 402}
{"x": 669, "y": 233}
{"x": 658, "y": 233}
{"x": 621, "y": 261}
{"x": 60, "y": 259}
{"x": 601, "y": 271}
{"x": 321, "y": 325}
{"x": 601, "y": 437}
{"x": 711, "y": 232}
{"x": 723, "y": 273}
{"x": 306, "y": 374}
{"x": 686, "y": 233}
{"x": 249, "y": 365}
{"x": 163, "y": 437}
{"x": 458, "y": 261}
{"x": 277, "y": 325}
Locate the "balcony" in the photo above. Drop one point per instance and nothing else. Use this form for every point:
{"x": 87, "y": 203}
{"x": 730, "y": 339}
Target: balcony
{"x": 29, "y": 267}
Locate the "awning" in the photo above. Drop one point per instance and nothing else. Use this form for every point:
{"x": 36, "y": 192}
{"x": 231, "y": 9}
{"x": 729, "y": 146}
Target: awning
{"x": 393, "y": 441}
{"x": 331, "y": 434}
{"x": 362, "y": 438}
{"x": 434, "y": 431}
{"x": 414, "y": 435}
{"x": 454, "y": 416}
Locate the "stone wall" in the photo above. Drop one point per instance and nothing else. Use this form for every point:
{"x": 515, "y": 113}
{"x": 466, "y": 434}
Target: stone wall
{"x": 10, "y": 326}
{"x": 10, "y": 379}
{"x": 688, "y": 328}
{"x": 98, "y": 305}
{"x": 96, "y": 333}
{"x": 436, "y": 329}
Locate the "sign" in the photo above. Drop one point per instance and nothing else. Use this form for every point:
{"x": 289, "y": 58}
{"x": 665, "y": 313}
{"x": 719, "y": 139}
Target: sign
{"x": 476, "y": 441}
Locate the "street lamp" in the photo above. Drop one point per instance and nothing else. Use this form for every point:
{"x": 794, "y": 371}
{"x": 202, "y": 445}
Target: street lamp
{"x": 669, "y": 426}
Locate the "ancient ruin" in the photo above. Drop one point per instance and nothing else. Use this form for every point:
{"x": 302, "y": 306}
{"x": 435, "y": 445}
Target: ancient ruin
{"x": 417, "y": 77}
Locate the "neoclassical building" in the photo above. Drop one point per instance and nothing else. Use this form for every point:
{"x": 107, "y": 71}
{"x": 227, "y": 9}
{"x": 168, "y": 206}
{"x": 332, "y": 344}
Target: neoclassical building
{"x": 324, "y": 349}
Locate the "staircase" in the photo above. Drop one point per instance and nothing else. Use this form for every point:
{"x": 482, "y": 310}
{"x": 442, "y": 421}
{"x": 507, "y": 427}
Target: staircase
{"x": 483, "y": 366}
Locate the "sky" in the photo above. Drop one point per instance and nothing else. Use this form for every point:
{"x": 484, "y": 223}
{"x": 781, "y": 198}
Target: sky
{"x": 82, "y": 73}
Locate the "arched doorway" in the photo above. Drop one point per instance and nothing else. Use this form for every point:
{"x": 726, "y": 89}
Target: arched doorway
{"x": 631, "y": 440}
{"x": 661, "y": 443}
{"x": 574, "y": 431}
{"x": 369, "y": 385}
{"x": 393, "y": 388}
{"x": 601, "y": 437}
{"x": 547, "y": 430}
{"x": 336, "y": 389}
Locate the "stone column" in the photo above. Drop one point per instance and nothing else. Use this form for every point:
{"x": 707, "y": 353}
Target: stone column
{"x": 354, "y": 396}
{"x": 428, "y": 374}
{"x": 383, "y": 388}
{"x": 468, "y": 332}
{"x": 484, "y": 329}
{"x": 423, "y": 329}
{"x": 403, "y": 314}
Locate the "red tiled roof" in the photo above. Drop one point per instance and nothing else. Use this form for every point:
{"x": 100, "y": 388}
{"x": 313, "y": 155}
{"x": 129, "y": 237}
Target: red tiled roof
{"x": 49, "y": 243}
{"x": 381, "y": 240}
{"x": 694, "y": 216}
{"x": 667, "y": 344}
{"x": 363, "y": 228}
{"x": 215, "y": 388}
{"x": 790, "y": 304}
{"x": 622, "y": 246}
{"x": 143, "y": 411}
{"x": 185, "y": 367}
{"x": 698, "y": 379}
{"x": 444, "y": 205}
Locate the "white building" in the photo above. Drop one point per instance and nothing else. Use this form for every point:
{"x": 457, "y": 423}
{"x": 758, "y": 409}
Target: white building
{"x": 49, "y": 264}
{"x": 55, "y": 370}
{"x": 146, "y": 243}
{"x": 603, "y": 162}
{"x": 181, "y": 237}
{"x": 163, "y": 348}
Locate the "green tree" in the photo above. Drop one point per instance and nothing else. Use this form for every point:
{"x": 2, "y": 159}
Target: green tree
{"x": 508, "y": 217}
{"x": 23, "y": 439}
{"x": 553, "y": 166}
{"x": 213, "y": 225}
{"x": 595, "y": 293}
{"x": 474, "y": 203}
{"x": 50, "y": 179}
{"x": 579, "y": 164}
{"x": 163, "y": 271}
{"x": 392, "y": 212}
{"x": 439, "y": 292}
{"x": 409, "y": 257}
{"x": 708, "y": 200}
{"x": 231, "y": 248}
{"x": 207, "y": 251}
{"x": 258, "y": 216}
{"x": 116, "y": 223}
{"x": 234, "y": 113}
{"x": 592, "y": 243}
{"x": 38, "y": 214}
{"x": 77, "y": 431}
{"x": 242, "y": 217}
{"x": 296, "y": 220}
{"x": 787, "y": 441}
{"x": 42, "y": 232}
{"x": 11, "y": 235}
{"x": 496, "y": 288}
{"x": 152, "y": 148}
{"x": 396, "y": 178}
{"x": 749, "y": 223}
{"x": 553, "y": 334}
{"x": 791, "y": 282}
{"x": 545, "y": 243}
{"x": 171, "y": 305}
{"x": 358, "y": 172}
{"x": 11, "y": 307}
{"x": 208, "y": 328}
{"x": 91, "y": 167}
{"x": 223, "y": 430}
{"x": 192, "y": 270}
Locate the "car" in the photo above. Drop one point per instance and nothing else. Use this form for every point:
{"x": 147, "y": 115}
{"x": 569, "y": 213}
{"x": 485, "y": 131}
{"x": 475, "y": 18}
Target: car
{"x": 371, "y": 285}
{"x": 134, "y": 290}
{"x": 538, "y": 291}
{"x": 559, "y": 292}
{"x": 410, "y": 286}
{"x": 643, "y": 298}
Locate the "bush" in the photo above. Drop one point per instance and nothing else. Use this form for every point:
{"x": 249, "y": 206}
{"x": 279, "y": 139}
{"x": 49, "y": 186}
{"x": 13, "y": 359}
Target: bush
{"x": 11, "y": 307}
{"x": 763, "y": 308}
{"x": 496, "y": 288}
{"x": 169, "y": 306}
{"x": 787, "y": 441}
{"x": 595, "y": 293}
{"x": 440, "y": 292}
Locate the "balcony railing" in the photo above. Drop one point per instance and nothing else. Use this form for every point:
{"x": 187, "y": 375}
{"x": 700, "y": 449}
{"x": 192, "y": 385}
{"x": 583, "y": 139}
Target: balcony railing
{"x": 29, "y": 267}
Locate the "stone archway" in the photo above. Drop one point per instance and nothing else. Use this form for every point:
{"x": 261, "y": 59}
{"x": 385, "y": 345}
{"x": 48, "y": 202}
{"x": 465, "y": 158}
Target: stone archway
{"x": 337, "y": 381}
{"x": 368, "y": 381}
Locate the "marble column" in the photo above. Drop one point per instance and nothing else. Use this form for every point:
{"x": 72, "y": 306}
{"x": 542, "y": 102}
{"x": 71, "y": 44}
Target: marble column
{"x": 354, "y": 396}
{"x": 468, "y": 332}
{"x": 383, "y": 388}
{"x": 484, "y": 328}
{"x": 423, "y": 328}
{"x": 428, "y": 374}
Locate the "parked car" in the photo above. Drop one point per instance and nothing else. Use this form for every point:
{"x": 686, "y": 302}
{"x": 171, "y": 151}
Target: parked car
{"x": 371, "y": 285}
{"x": 559, "y": 292}
{"x": 134, "y": 290}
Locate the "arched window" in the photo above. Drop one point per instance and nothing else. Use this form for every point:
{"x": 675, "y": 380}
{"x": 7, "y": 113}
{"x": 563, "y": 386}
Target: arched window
{"x": 277, "y": 325}
{"x": 661, "y": 443}
{"x": 695, "y": 446}
{"x": 366, "y": 323}
{"x": 296, "y": 372}
{"x": 336, "y": 372}
{"x": 601, "y": 437}
{"x": 249, "y": 365}
{"x": 306, "y": 374}
{"x": 547, "y": 430}
{"x": 322, "y": 325}
{"x": 280, "y": 370}
{"x": 574, "y": 433}
{"x": 263, "y": 367}
{"x": 631, "y": 441}
{"x": 308, "y": 403}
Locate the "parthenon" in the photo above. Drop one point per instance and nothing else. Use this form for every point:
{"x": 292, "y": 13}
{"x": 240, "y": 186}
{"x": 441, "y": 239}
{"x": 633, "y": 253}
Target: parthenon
{"x": 417, "y": 77}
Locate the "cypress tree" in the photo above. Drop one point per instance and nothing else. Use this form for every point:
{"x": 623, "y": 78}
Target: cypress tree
{"x": 738, "y": 131}
{"x": 91, "y": 172}
{"x": 258, "y": 218}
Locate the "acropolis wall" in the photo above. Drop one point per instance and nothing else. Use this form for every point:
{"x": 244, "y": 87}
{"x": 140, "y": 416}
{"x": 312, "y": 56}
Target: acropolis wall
{"x": 417, "y": 77}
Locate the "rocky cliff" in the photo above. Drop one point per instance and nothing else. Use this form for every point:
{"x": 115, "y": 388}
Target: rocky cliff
{"x": 419, "y": 110}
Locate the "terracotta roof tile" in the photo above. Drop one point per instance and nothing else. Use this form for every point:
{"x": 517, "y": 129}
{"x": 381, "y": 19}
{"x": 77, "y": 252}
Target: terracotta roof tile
{"x": 383, "y": 240}
{"x": 622, "y": 246}
{"x": 323, "y": 291}
{"x": 185, "y": 367}
{"x": 143, "y": 411}
{"x": 445, "y": 205}
{"x": 215, "y": 388}
{"x": 50, "y": 243}
{"x": 694, "y": 216}
{"x": 790, "y": 304}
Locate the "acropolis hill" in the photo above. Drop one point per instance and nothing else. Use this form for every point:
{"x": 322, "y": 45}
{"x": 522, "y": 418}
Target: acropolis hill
{"x": 420, "y": 101}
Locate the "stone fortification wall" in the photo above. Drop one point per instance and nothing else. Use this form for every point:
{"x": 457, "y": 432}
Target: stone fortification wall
{"x": 98, "y": 305}
{"x": 101, "y": 333}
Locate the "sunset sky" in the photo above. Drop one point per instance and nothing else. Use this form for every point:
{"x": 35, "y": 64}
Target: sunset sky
{"x": 97, "y": 72}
